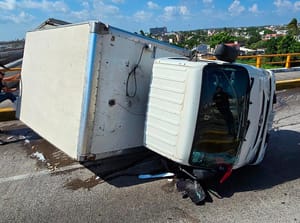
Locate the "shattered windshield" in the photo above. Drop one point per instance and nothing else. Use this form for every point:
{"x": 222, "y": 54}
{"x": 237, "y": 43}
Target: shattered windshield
{"x": 222, "y": 115}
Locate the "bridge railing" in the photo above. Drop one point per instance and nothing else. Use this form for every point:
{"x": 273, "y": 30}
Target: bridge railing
{"x": 283, "y": 60}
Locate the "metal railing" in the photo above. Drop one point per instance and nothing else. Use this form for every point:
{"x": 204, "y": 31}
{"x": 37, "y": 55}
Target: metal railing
{"x": 285, "y": 59}
{"x": 11, "y": 69}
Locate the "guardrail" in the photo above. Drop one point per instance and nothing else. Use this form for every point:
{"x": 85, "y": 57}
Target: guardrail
{"x": 285, "y": 59}
{"x": 11, "y": 69}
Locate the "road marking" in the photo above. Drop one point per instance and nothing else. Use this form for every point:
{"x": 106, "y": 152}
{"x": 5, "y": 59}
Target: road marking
{"x": 37, "y": 174}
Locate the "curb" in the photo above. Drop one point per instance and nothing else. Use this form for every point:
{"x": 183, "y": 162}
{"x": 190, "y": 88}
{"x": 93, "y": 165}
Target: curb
{"x": 7, "y": 114}
{"x": 287, "y": 84}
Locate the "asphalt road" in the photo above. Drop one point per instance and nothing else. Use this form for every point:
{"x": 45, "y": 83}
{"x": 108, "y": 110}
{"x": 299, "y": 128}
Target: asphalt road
{"x": 290, "y": 75}
{"x": 61, "y": 190}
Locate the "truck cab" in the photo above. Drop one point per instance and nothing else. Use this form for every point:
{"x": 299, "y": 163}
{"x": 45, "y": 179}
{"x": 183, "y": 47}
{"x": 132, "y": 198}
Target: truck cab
{"x": 206, "y": 114}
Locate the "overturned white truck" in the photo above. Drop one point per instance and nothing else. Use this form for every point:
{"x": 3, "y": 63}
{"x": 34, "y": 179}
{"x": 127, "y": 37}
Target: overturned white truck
{"x": 85, "y": 89}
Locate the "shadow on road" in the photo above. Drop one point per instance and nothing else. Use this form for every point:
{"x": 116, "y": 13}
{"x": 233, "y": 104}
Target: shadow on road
{"x": 14, "y": 133}
{"x": 123, "y": 171}
{"x": 281, "y": 164}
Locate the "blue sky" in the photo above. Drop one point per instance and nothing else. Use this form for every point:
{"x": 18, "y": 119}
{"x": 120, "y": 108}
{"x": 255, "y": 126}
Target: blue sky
{"x": 17, "y": 17}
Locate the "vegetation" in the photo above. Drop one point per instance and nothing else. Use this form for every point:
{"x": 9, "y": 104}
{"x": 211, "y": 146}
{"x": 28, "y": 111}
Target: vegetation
{"x": 250, "y": 37}
{"x": 222, "y": 37}
{"x": 285, "y": 40}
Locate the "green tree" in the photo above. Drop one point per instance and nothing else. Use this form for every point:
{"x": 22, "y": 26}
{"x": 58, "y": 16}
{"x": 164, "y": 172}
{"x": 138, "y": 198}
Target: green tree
{"x": 271, "y": 46}
{"x": 254, "y": 38}
{"x": 285, "y": 44}
{"x": 268, "y": 31}
{"x": 252, "y": 30}
{"x": 259, "y": 45}
{"x": 288, "y": 44}
{"x": 191, "y": 42}
{"x": 293, "y": 27}
{"x": 221, "y": 37}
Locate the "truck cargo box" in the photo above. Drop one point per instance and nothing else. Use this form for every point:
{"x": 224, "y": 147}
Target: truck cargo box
{"x": 85, "y": 87}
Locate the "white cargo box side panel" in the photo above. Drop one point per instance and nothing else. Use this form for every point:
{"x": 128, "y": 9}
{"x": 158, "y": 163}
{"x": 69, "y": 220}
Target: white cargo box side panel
{"x": 54, "y": 82}
{"x": 120, "y": 118}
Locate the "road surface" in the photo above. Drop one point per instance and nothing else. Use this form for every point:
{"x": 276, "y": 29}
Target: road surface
{"x": 58, "y": 189}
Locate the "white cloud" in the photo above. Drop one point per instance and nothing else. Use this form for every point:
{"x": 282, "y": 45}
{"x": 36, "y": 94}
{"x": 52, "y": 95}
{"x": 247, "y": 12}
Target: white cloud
{"x": 207, "y": 1}
{"x": 254, "y": 9}
{"x": 8, "y": 4}
{"x": 297, "y": 6}
{"x": 171, "y": 12}
{"x": 118, "y": 1}
{"x": 152, "y": 5}
{"x": 85, "y": 4}
{"x": 283, "y": 4}
{"x": 236, "y": 8}
{"x": 183, "y": 10}
{"x": 81, "y": 15}
{"x": 22, "y": 17}
{"x": 142, "y": 15}
{"x": 58, "y": 6}
{"x": 105, "y": 9}
{"x": 286, "y": 6}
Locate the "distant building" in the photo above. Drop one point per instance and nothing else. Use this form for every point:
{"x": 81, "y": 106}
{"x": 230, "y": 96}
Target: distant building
{"x": 211, "y": 32}
{"x": 158, "y": 31}
{"x": 270, "y": 36}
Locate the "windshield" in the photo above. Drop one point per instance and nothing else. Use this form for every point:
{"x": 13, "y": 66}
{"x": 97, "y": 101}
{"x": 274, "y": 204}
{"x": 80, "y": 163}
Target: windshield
{"x": 222, "y": 115}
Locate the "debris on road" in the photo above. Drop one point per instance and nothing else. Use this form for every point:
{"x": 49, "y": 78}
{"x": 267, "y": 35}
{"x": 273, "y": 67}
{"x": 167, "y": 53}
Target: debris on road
{"x": 151, "y": 176}
{"x": 39, "y": 156}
